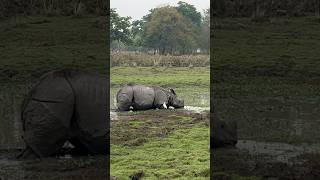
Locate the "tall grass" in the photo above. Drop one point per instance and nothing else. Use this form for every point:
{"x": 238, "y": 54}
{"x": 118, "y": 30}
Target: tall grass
{"x": 145, "y": 60}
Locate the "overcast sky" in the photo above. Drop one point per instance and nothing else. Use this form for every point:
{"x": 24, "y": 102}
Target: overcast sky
{"x": 138, "y": 8}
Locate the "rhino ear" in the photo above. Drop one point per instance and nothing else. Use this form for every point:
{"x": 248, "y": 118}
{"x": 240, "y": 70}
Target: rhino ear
{"x": 171, "y": 90}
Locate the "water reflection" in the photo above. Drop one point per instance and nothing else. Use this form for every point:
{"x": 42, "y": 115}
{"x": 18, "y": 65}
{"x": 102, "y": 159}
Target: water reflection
{"x": 282, "y": 152}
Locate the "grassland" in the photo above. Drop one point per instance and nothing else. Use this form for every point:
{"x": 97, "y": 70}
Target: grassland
{"x": 30, "y": 46}
{"x": 266, "y": 77}
{"x": 162, "y": 144}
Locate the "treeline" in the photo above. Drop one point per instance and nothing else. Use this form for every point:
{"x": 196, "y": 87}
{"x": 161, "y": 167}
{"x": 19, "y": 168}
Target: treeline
{"x": 265, "y": 8}
{"x": 52, "y": 7}
{"x": 171, "y": 30}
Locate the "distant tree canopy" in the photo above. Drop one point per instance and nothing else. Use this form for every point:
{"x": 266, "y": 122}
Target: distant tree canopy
{"x": 120, "y": 27}
{"x": 265, "y": 8}
{"x": 52, "y": 7}
{"x": 167, "y": 31}
{"x": 177, "y": 29}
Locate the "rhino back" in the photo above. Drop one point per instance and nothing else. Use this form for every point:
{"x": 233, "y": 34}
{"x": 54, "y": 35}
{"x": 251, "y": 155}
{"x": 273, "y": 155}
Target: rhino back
{"x": 143, "y": 97}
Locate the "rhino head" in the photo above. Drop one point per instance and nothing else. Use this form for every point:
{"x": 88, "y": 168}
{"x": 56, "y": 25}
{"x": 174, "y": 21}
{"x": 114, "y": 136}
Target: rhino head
{"x": 223, "y": 134}
{"x": 174, "y": 101}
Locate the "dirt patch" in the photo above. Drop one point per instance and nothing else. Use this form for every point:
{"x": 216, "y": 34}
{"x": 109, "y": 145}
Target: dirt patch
{"x": 231, "y": 163}
{"x": 135, "y": 128}
{"x": 56, "y": 168}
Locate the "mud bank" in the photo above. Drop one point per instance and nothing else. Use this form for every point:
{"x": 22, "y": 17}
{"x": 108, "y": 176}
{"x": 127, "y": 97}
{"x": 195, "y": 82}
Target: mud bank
{"x": 55, "y": 168}
{"x": 262, "y": 160}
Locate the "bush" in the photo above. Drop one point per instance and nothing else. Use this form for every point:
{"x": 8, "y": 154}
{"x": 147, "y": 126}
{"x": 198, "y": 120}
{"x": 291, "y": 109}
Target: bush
{"x": 143, "y": 59}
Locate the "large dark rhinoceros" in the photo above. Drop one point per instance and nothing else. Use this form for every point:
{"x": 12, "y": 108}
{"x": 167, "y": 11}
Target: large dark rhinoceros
{"x": 140, "y": 97}
{"x": 223, "y": 134}
{"x": 66, "y": 105}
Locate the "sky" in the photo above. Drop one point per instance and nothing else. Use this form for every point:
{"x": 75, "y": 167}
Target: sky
{"x": 138, "y": 8}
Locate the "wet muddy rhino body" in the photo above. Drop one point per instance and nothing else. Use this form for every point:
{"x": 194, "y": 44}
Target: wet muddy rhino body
{"x": 141, "y": 97}
{"x": 66, "y": 105}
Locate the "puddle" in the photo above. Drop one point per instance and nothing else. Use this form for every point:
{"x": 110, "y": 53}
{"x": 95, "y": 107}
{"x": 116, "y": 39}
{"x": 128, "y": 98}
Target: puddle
{"x": 281, "y": 152}
{"x": 196, "y": 109}
{"x": 113, "y": 115}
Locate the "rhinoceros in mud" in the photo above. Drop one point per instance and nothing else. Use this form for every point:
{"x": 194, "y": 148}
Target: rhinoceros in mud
{"x": 140, "y": 97}
{"x": 66, "y": 105}
{"x": 222, "y": 133}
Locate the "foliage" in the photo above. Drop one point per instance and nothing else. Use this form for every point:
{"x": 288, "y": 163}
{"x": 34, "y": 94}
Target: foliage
{"x": 167, "y": 31}
{"x": 190, "y": 12}
{"x": 119, "y": 27}
{"x": 204, "y": 40}
{"x": 171, "y": 30}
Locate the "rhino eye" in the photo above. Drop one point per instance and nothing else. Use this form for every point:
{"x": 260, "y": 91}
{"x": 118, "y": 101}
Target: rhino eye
{"x": 222, "y": 126}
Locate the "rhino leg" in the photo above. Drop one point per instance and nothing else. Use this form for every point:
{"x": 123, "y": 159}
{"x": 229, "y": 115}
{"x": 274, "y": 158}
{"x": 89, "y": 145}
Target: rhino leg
{"x": 165, "y": 106}
{"x": 27, "y": 153}
{"x": 89, "y": 125}
{"x": 125, "y": 98}
{"x": 46, "y": 115}
{"x": 161, "y": 99}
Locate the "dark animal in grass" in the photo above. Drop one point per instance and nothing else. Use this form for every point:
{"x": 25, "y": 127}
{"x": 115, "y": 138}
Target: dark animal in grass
{"x": 66, "y": 105}
{"x": 223, "y": 134}
{"x": 140, "y": 97}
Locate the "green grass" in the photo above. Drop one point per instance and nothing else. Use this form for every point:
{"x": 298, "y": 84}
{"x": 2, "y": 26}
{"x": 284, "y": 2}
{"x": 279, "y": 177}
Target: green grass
{"x": 185, "y": 154}
{"x": 160, "y": 144}
{"x": 31, "y": 46}
{"x": 173, "y": 77}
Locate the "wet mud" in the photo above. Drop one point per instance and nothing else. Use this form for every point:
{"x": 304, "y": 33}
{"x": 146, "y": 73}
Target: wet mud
{"x": 64, "y": 167}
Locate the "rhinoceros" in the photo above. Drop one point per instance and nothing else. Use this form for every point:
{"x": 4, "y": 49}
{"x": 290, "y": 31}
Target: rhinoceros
{"x": 66, "y": 105}
{"x": 222, "y": 133}
{"x": 141, "y": 97}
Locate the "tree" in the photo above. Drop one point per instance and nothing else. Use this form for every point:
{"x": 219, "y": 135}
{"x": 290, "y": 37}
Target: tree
{"x": 137, "y": 32}
{"x": 119, "y": 28}
{"x": 167, "y": 31}
{"x": 190, "y": 12}
{"x": 205, "y": 32}
{"x": 193, "y": 19}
